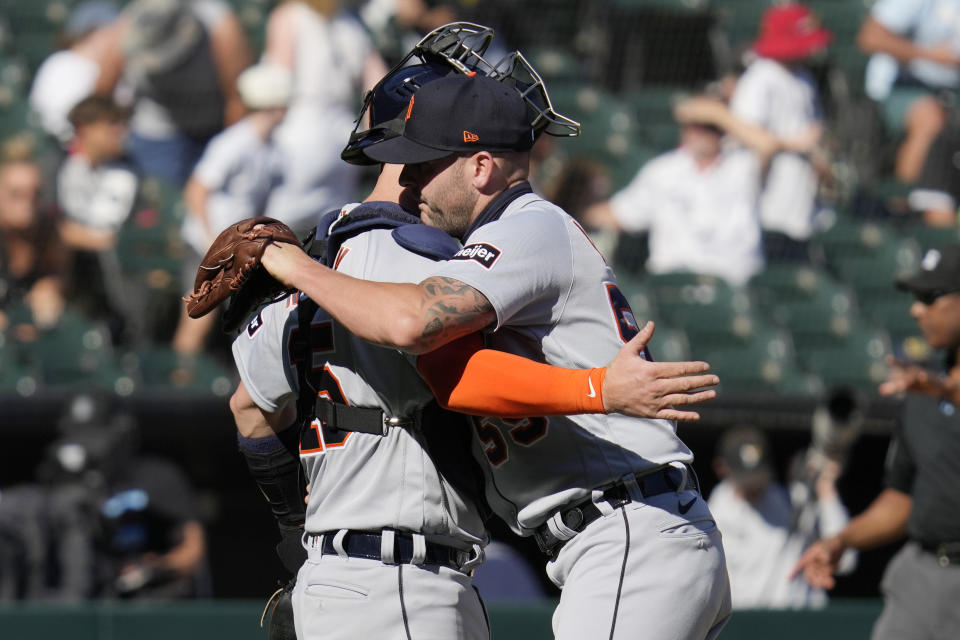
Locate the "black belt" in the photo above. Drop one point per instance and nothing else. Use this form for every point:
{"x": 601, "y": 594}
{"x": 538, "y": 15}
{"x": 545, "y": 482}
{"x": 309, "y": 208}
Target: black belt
{"x": 364, "y": 544}
{"x": 578, "y": 516}
{"x": 947, "y": 552}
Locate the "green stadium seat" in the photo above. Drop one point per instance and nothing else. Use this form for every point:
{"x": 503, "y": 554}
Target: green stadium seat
{"x": 669, "y": 344}
{"x": 703, "y": 306}
{"x": 162, "y": 369}
{"x": 874, "y": 272}
{"x": 868, "y": 256}
{"x": 931, "y": 237}
{"x": 15, "y": 378}
{"x": 890, "y": 310}
{"x": 842, "y": 17}
{"x": 608, "y": 127}
{"x": 762, "y": 360}
{"x": 740, "y": 19}
{"x": 149, "y": 245}
{"x": 555, "y": 64}
{"x": 857, "y": 361}
{"x": 806, "y": 300}
{"x": 653, "y": 107}
{"x": 74, "y": 353}
{"x": 638, "y": 296}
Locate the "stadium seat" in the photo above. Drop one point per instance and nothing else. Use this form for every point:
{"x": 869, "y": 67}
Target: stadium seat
{"x": 856, "y": 361}
{"x": 608, "y": 126}
{"x": 162, "y": 369}
{"x": 74, "y": 353}
{"x": 869, "y": 255}
{"x": 740, "y": 19}
{"x": 149, "y": 244}
{"x": 842, "y": 17}
{"x": 555, "y": 65}
{"x": 931, "y": 237}
{"x": 806, "y": 300}
{"x": 653, "y": 108}
{"x": 762, "y": 361}
{"x": 639, "y": 297}
{"x": 631, "y": 253}
{"x": 703, "y": 306}
{"x": 890, "y": 310}
{"x": 15, "y": 377}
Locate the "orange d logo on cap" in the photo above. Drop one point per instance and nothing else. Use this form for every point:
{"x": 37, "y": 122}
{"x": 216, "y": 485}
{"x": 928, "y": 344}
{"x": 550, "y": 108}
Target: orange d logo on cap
{"x": 409, "y": 108}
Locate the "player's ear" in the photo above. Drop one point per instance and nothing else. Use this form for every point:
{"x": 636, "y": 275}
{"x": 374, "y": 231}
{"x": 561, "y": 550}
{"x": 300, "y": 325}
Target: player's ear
{"x": 482, "y": 170}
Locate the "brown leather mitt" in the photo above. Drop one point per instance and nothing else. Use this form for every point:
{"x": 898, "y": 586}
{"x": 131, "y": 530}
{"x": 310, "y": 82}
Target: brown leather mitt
{"x": 231, "y": 269}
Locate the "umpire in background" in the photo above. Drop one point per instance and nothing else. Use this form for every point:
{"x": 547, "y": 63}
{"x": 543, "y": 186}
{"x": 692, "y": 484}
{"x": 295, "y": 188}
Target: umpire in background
{"x": 921, "y": 586}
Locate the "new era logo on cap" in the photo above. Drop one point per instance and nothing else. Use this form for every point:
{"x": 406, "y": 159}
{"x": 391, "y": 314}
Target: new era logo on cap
{"x": 470, "y": 137}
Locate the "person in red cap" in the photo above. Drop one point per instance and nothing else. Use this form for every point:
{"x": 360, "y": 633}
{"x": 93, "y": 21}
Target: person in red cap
{"x": 777, "y": 93}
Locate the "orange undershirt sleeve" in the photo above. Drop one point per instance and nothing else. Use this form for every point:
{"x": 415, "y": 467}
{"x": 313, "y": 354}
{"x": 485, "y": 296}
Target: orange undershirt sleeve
{"x": 468, "y": 378}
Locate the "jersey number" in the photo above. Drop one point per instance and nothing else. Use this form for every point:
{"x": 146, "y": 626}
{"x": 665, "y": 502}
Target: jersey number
{"x": 318, "y": 437}
{"x": 523, "y": 431}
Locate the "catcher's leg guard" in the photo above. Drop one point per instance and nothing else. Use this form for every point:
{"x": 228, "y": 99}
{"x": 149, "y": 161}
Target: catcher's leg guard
{"x": 277, "y": 473}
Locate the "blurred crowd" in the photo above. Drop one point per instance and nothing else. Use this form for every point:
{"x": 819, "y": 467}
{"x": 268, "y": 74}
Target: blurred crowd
{"x": 160, "y": 122}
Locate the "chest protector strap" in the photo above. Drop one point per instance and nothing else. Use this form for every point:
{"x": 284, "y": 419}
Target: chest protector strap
{"x": 324, "y": 245}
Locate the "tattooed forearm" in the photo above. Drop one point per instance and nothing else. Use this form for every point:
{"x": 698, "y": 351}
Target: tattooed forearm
{"x": 451, "y": 309}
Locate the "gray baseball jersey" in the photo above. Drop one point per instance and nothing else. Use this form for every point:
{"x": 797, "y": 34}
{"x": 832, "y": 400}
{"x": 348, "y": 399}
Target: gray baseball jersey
{"x": 360, "y": 481}
{"x": 556, "y": 301}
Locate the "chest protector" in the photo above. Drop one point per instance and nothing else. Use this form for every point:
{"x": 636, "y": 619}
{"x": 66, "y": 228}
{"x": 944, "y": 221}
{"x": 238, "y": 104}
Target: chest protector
{"x": 324, "y": 246}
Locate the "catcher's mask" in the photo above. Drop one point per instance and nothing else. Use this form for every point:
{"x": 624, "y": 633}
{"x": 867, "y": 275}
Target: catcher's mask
{"x": 455, "y": 48}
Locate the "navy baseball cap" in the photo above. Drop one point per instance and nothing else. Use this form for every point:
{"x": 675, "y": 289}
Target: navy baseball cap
{"x": 458, "y": 113}
{"x": 939, "y": 273}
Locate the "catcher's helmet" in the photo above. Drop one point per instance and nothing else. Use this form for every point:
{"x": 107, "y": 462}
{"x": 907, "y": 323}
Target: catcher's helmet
{"x": 454, "y": 48}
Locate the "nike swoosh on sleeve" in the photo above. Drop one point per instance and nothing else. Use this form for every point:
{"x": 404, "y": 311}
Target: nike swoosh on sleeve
{"x": 593, "y": 393}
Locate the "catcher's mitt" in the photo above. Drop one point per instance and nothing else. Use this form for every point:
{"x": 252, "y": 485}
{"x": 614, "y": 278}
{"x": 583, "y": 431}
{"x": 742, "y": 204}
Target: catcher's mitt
{"x": 278, "y": 614}
{"x": 231, "y": 269}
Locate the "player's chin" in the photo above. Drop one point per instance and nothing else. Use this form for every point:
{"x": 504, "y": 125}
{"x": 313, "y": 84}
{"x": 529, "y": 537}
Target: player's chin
{"x": 428, "y": 215}
{"x": 409, "y": 200}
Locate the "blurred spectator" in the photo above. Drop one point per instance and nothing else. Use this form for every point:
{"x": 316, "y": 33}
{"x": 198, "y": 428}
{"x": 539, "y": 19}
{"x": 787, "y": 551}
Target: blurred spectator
{"x": 920, "y": 501}
{"x": 332, "y": 60}
{"x": 397, "y": 25}
{"x": 699, "y": 201}
{"x": 96, "y": 191}
{"x": 181, "y": 62}
{"x": 153, "y": 539}
{"x": 777, "y": 93}
{"x": 766, "y": 527}
{"x": 89, "y": 62}
{"x": 232, "y": 181}
{"x": 102, "y": 521}
{"x": 32, "y": 258}
{"x": 913, "y": 72}
{"x": 937, "y": 192}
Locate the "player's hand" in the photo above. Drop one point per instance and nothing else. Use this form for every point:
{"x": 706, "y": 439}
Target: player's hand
{"x": 637, "y": 387}
{"x": 819, "y": 562}
{"x": 283, "y": 261}
{"x": 907, "y": 377}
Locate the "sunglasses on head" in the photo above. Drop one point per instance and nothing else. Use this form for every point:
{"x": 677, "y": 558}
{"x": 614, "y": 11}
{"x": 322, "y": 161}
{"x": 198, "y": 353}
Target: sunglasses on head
{"x": 929, "y": 297}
